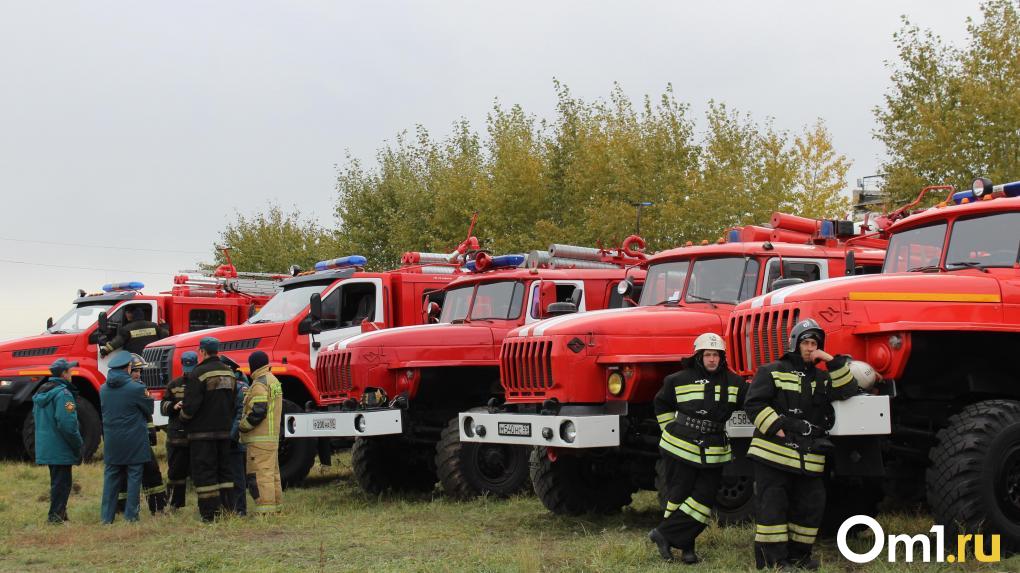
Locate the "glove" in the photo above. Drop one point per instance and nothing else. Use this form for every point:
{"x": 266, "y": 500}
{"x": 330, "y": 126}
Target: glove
{"x": 799, "y": 427}
{"x": 104, "y": 352}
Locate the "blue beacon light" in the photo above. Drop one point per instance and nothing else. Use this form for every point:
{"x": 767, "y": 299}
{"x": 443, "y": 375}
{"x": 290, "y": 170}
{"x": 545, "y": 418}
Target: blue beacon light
{"x": 123, "y": 287}
{"x": 341, "y": 263}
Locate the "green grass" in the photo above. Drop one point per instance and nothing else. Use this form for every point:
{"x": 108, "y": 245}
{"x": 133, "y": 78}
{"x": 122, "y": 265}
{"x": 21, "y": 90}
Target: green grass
{"x": 330, "y": 525}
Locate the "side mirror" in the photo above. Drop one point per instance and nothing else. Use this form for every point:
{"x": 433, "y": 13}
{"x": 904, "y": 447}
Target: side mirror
{"x": 851, "y": 263}
{"x": 560, "y": 308}
{"x": 49, "y": 323}
{"x": 252, "y": 311}
{"x": 625, "y": 287}
{"x": 780, "y": 283}
{"x": 104, "y": 322}
{"x": 546, "y": 297}
{"x": 315, "y": 304}
{"x": 431, "y": 312}
{"x": 98, "y": 336}
{"x": 312, "y": 322}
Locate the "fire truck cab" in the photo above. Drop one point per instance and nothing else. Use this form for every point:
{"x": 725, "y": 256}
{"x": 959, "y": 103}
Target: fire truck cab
{"x": 312, "y": 310}
{"x": 195, "y": 302}
{"x": 398, "y": 391}
{"x": 940, "y": 326}
{"x": 590, "y": 415}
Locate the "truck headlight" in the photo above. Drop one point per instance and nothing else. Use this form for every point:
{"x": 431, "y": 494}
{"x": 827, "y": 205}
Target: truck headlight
{"x": 615, "y": 383}
{"x": 568, "y": 431}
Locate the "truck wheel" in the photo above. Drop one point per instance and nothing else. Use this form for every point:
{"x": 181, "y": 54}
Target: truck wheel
{"x": 578, "y": 484}
{"x": 391, "y": 463}
{"x": 973, "y": 482}
{"x": 297, "y": 455}
{"x": 89, "y": 424}
{"x": 469, "y": 469}
{"x": 734, "y": 504}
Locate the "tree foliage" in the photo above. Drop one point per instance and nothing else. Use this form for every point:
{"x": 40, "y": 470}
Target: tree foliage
{"x": 573, "y": 178}
{"x": 273, "y": 240}
{"x": 951, "y": 114}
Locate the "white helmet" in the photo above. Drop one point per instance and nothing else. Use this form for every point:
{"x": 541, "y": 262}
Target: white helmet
{"x": 709, "y": 341}
{"x": 863, "y": 373}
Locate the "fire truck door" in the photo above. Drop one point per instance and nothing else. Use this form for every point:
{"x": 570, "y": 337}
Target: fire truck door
{"x": 116, "y": 319}
{"x": 807, "y": 269}
{"x": 343, "y": 309}
{"x": 564, "y": 290}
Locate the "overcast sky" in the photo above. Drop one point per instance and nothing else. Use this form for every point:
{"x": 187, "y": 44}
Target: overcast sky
{"x": 145, "y": 125}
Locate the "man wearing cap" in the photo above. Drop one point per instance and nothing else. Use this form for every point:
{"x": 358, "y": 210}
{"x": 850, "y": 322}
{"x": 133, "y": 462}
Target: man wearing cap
{"x": 57, "y": 437}
{"x": 135, "y": 333}
{"x": 177, "y": 452}
{"x": 127, "y": 408}
{"x": 790, "y": 403}
{"x": 208, "y": 413}
{"x": 260, "y": 432}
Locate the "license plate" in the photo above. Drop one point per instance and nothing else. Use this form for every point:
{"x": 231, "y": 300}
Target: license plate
{"x": 739, "y": 418}
{"x": 518, "y": 429}
{"x": 322, "y": 424}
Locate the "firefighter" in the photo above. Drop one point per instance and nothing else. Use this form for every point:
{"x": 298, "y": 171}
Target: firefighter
{"x": 692, "y": 408}
{"x": 178, "y": 464}
{"x": 238, "y": 502}
{"x": 790, "y": 404}
{"x": 153, "y": 487}
{"x": 260, "y": 432}
{"x": 57, "y": 436}
{"x": 135, "y": 333}
{"x": 127, "y": 408}
{"x": 208, "y": 412}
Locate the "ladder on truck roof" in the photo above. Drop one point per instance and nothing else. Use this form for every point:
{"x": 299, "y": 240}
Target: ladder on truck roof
{"x": 198, "y": 283}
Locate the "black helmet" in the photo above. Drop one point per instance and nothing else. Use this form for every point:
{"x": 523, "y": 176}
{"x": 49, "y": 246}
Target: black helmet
{"x": 806, "y": 328}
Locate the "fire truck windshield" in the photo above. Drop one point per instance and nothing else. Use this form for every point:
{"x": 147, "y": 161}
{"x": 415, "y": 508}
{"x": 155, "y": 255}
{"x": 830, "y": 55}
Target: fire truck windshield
{"x": 918, "y": 249}
{"x": 78, "y": 318}
{"x": 489, "y": 301}
{"x": 285, "y": 305}
{"x": 726, "y": 280}
{"x": 989, "y": 241}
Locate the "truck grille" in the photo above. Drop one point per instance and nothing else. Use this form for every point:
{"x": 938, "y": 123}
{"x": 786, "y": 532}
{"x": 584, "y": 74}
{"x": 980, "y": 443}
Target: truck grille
{"x": 759, "y": 335}
{"x": 525, "y": 366}
{"x": 157, "y": 373}
{"x": 334, "y": 373}
{"x": 30, "y": 352}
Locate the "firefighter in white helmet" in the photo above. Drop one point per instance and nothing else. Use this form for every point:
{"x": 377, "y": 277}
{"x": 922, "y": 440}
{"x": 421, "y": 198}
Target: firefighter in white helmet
{"x": 692, "y": 408}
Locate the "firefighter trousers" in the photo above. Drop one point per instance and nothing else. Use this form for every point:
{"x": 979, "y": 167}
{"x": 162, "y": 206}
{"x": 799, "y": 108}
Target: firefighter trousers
{"x": 788, "y": 511}
{"x": 153, "y": 487}
{"x": 211, "y": 474}
{"x": 264, "y": 477}
{"x": 690, "y": 495}
{"x": 177, "y": 472}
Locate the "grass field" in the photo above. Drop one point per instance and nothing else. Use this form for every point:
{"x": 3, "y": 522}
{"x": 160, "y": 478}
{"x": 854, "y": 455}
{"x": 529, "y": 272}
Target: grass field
{"x": 330, "y": 525}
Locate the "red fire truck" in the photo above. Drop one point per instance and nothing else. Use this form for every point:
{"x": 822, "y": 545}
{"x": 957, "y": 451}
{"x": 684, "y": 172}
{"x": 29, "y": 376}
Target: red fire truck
{"x": 398, "y": 391}
{"x": 195, "y": 302}
{"x": 313, "y": 310}
{"x": 938, "y": 325}
{"x": 590, "y": 412}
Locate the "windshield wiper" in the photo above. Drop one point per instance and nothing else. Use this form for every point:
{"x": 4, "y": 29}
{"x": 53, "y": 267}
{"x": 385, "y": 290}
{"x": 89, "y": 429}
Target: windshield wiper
{"x": 968, "y": 264}
{"x": 57, "y": 331}
{"x": 925, "y": 269}
{"x": 710, "y": 302}
{"x": 259, "y": 321}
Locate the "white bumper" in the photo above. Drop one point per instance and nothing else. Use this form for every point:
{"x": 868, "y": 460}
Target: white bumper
{"x": 158, "y": 419}
{"x": 858, "y": 416}
{"x": 343, "y": 424}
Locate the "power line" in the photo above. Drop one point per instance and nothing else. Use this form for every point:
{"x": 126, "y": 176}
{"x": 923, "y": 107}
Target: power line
{"x": 82, "y": 268}
{"x": 116, "y": 248}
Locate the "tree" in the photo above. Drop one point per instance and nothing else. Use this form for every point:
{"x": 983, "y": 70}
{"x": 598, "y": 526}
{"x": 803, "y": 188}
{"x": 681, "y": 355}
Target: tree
{"x": 273, "y": 240}
{"x": 950, "y": 114}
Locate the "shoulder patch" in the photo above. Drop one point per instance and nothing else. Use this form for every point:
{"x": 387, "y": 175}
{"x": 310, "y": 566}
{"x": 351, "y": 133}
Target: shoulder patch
{"x": 69, "y": 406}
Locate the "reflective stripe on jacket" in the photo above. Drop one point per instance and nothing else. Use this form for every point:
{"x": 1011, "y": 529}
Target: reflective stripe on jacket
{"x": 263, "y": 405}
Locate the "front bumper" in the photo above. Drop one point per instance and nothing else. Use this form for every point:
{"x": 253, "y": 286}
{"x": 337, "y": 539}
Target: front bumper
{"x": 16, "y": 391}
{"x": 858, "y": 416}
{"x": 344, "y": 424}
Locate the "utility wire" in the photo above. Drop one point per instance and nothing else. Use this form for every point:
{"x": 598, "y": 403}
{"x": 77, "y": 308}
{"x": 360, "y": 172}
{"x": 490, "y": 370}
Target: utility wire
{"x": 82, "y": 268}
{"x": 116, "y": 248}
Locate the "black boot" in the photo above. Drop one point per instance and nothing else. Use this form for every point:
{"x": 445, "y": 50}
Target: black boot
{"x": 661, "y": 544}
{"x": 805, "y": 562}
{"x": 689, "y": 557}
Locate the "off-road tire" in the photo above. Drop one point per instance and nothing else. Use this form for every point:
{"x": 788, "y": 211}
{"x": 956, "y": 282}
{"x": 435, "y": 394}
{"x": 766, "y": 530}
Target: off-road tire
{"x": 573, "y": 484}
{"x": 470, "y": 469}
{"x": 734, "y": 504}
{"x": 973, "y": 482}
{"x": 390, "y": 463}
{"x": 89, "y": 424}
{"x": 296, "y": 455}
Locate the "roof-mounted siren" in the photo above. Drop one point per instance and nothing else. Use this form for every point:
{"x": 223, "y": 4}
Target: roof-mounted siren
{"x": 124, "y": 287}
{"x": 484, "y": 262}
{"x": 983, "y": 190}
{"x": 356, "y": 261}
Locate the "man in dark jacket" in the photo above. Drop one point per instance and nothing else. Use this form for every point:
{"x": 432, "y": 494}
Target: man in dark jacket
{"x": 177, "y": 452}
{"x": 57, "y": 437}
{"x": 127, "y": 408}
{"x": 135, "y": 333}
{"x": 208, "y": 413}
{"x": 238, "y": 502}
{"x": 692, "y": 409}
{"x": 153, "y": 486}
{"x": 790, "y": 403}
